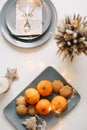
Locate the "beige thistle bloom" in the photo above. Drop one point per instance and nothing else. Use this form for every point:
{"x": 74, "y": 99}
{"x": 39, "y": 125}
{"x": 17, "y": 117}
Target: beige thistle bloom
{"x": 71, "y": 38}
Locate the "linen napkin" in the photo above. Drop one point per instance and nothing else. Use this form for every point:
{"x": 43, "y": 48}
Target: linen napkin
{"x": 34, "y": 18}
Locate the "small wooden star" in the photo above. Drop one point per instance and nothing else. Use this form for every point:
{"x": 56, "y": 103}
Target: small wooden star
{"x": 30, "y": 123}
{"x": 11, "y": 73}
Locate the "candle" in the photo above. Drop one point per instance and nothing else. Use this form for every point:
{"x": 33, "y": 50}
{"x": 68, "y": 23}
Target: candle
{"x": 4, "y": 84}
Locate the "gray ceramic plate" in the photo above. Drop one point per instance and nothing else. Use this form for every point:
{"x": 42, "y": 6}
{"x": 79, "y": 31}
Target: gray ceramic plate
{"x": 50, "y": 74}
{"x": 28, "y": 44}
{"x": 11, "y": 20}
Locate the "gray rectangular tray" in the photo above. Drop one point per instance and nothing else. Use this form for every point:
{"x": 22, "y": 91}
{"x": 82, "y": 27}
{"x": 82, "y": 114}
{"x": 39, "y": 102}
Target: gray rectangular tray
{"x": 50, "y": 74}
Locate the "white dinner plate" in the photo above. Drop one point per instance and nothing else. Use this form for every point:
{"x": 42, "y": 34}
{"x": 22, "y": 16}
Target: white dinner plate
{"x": 11, "y": 20}
{"x": 28, "y": 44}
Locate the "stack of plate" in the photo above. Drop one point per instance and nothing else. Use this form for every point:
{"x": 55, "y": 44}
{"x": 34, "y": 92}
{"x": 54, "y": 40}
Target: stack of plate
{"x": 8, "y": 23}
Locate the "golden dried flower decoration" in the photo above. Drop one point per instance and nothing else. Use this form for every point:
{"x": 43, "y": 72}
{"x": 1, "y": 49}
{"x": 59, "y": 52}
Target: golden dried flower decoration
{"x": 72, "y": 36}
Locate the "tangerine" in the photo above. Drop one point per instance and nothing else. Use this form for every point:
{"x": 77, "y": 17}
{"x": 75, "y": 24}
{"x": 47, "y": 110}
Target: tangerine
{"x": 45, "y": 87}
{"x": 43, "y": 107}
{"x": 58, "y": 104}
{"x": 32, "y": 96}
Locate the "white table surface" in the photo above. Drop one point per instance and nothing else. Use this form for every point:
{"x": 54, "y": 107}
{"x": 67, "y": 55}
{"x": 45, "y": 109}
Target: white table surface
{"x": 30, "y": 62}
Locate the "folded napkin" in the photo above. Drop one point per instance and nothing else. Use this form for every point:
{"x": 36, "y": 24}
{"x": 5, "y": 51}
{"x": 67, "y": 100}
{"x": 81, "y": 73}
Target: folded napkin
{"x": 34, "y": 18}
